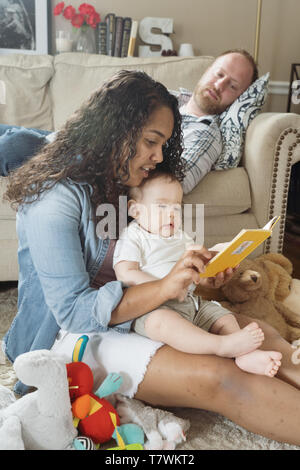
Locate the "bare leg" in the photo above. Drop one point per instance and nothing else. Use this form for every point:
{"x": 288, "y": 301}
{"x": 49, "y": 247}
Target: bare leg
{"x": 171, "y": 328}
{"x": 265, "y": 406}
{"x": 288, "y": 371}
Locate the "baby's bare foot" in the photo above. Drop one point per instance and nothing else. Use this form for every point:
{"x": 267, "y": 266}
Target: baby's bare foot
{"x": 260, "y": 362}
{"x": 241, "y": 342}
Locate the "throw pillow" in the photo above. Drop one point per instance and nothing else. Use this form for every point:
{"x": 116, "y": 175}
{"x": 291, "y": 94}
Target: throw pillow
{"x": 235, "y": 120}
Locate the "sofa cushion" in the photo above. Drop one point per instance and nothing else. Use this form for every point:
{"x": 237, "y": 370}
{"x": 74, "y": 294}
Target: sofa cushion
{"x": 222, "y": 192}
{"x": 26, "y": 79}
{"x": 91, "y": 70}
{"x": 220, "y": 229}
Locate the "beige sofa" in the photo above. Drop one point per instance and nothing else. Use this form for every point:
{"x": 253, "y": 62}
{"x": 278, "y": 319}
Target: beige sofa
{"x": 43, "y": 91}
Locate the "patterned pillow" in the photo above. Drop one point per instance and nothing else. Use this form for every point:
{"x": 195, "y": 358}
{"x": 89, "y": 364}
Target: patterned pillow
{"x": 235, "y": 120}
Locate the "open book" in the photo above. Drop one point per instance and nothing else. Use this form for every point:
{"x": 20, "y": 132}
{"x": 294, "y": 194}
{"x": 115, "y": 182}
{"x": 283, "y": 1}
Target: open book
{"x": 239, "y": 248}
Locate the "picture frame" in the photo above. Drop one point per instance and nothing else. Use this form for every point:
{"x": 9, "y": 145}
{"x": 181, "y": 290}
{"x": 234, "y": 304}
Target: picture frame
{"x": 25, "y": 27}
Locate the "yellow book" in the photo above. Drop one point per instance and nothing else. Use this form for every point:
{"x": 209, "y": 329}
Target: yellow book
{"x": 239, "y": 248}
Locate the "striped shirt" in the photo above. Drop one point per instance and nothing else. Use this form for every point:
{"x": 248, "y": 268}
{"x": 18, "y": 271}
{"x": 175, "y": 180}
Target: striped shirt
{"x": 202, "y": 147}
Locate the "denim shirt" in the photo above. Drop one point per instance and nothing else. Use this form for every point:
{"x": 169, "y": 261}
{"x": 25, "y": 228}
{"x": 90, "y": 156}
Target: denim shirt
{"x": 59, "y": 254}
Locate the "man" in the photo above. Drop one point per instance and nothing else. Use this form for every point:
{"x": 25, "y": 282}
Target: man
{"x": 223, "y": 82}
{"x": 226, "y": 79}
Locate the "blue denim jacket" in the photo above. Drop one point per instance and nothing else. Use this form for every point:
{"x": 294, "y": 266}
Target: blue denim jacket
{"x": 59, "y": 254}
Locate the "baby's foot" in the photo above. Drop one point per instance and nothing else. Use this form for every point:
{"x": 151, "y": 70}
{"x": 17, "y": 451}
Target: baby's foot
{"x": 241, "y": 342}
{"x": 260, "y": 362}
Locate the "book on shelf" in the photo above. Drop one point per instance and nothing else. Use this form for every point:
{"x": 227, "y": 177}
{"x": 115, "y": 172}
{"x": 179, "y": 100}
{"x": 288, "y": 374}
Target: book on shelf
{"x": 101, "y": 38}
{"x": 118, "y": 36}
{"x": 132, "y": 40}
{"x": 110, "y": 33}
{"x": 239, "y": 248}
{"x": 126, "y": 36}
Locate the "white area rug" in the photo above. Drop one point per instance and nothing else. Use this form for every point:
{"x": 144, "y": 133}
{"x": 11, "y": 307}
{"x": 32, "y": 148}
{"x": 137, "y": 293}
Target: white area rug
{"x": 209, "y": 431}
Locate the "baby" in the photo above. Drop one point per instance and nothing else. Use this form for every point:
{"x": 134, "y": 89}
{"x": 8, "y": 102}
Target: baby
{"x": 148, "y": 249}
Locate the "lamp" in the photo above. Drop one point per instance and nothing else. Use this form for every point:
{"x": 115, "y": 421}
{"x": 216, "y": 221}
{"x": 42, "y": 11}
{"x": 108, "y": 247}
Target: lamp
{"x": 257, "y": 30}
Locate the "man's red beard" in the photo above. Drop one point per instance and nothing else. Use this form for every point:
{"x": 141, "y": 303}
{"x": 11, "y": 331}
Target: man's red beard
{"x": 206, "y": 102}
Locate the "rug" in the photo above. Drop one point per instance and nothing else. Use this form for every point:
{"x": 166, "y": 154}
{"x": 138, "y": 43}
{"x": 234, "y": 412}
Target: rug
{"x": 208, "y": 431}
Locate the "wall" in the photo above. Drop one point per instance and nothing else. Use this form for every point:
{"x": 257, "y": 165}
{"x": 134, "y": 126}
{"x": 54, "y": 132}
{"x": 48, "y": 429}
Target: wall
{"x": 213, "y": 26}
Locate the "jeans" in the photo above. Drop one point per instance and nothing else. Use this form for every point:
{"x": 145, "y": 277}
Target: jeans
{"x": 17, "y": 145}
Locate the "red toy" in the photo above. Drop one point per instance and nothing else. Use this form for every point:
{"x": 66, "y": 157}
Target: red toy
{"x": 94, "y": 416}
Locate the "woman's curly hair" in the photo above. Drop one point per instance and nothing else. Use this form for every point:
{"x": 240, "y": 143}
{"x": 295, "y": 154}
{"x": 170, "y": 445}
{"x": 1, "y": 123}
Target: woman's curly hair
{"x": 97, "y": 142}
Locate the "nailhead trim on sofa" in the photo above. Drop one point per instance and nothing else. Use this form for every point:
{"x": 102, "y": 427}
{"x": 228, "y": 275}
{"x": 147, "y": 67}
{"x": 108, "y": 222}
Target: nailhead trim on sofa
{"x": 283, "y": 161}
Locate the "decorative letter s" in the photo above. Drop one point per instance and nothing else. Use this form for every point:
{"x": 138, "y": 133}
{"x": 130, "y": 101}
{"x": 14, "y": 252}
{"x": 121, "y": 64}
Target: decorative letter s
{"x": 145, "y": 28}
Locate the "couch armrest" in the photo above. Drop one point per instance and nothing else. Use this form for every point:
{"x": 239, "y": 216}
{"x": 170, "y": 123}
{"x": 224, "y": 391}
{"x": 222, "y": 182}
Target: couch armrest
{"x": 271, "y": 148}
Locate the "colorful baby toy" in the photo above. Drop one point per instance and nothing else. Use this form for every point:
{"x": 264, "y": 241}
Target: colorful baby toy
{"x": 94, "y": 416}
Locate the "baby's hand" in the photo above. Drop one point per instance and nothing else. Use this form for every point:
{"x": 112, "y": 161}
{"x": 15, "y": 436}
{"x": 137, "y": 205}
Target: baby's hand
{"x": 185, "y": 272}
{"x": 202, "y": 252}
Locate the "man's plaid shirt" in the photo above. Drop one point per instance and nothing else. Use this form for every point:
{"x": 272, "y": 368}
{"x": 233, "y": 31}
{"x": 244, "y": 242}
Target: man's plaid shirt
{"x": 202, "y": 146}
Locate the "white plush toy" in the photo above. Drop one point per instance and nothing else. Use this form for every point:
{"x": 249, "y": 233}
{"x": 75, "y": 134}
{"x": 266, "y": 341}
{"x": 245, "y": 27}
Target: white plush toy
{"x": 41, "y": 420}
{"x": 162, "y": 429}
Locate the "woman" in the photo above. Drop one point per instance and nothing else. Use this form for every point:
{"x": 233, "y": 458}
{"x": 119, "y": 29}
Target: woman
{"x": 128, "y": 127}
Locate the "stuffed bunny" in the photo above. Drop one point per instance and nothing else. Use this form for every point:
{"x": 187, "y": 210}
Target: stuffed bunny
{"x": 162, "y": 429}
{"x": 41, "y": 420}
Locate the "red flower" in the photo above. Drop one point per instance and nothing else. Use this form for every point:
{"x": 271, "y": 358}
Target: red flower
{"x": 86, "y": 9}
{"x": 69, "y": 12}
{"x": 59, "y": 8}
{"x": 78, "y": 20}
{"x": 93, "y": 20}
{"x": 87, "y": 14}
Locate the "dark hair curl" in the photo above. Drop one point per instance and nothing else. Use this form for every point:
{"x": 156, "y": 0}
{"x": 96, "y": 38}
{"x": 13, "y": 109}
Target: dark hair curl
{"x": 97, "y": 142}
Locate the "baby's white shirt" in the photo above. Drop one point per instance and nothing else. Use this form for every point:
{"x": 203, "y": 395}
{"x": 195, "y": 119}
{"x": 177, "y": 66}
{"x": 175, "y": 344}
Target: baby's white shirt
{"x": 156, "y": 255}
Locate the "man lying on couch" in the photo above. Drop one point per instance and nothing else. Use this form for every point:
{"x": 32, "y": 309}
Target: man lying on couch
{"x": 223, "y": 82}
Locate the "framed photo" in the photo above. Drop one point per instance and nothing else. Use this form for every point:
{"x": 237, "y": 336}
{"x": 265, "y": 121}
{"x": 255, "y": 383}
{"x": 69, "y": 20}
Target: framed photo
{"x": 25, "y": 26}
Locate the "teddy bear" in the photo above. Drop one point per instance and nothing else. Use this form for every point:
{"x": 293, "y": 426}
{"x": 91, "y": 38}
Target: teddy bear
{"x": 292, "y": 301}
{"x": 263, "y": 288}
